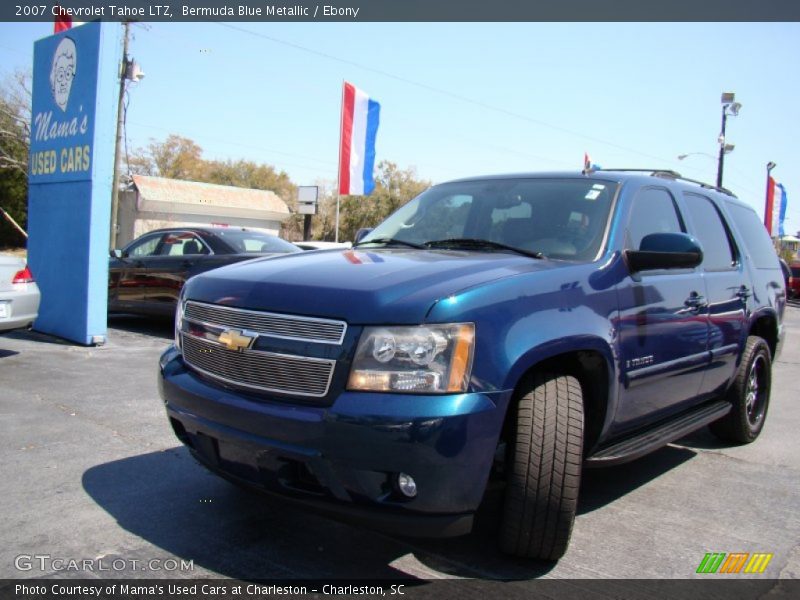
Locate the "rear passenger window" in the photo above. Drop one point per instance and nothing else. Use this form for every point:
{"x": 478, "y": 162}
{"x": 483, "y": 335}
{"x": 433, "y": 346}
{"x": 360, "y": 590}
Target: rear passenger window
{"x": 718, "y": 252}
{"x": 654, "y": 211}
{"x": 754, "y": 236}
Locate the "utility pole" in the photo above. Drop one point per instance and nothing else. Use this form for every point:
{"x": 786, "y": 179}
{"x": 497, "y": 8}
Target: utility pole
{"x": 123, "y": 77}
{"x": 721, "y": 159}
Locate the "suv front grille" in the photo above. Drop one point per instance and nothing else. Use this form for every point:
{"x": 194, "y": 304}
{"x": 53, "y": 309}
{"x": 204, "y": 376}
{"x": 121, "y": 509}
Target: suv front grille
{"x": 259, "y": 370}
{"x": 290, "y": 327}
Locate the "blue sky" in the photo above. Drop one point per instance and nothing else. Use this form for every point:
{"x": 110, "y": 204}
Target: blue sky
{"x": 477, "y": 98}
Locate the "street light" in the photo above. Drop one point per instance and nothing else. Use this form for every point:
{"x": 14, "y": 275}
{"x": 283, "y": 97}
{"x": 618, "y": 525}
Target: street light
{"x": 729, "y": 107}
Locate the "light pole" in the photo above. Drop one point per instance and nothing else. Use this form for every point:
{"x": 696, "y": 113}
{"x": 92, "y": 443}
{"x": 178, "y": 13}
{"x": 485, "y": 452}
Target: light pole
{"x": 729, "y": 107}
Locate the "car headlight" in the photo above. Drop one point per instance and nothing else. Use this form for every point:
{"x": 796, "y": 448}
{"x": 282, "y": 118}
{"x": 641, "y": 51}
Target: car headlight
{"x": 425, "y": 358}
{"x": 179, "y": 322}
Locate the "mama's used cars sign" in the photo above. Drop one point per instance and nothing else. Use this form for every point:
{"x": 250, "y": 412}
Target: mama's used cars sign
{"x": 62, "y": 121}
{"x": 75, "y": 85}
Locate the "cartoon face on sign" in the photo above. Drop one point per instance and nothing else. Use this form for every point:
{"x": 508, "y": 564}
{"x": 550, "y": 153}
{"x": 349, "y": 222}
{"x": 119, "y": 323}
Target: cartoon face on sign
{"x": 65, "y": 60}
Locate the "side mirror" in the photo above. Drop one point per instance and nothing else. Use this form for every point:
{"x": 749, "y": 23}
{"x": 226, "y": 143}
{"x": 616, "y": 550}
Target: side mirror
{"x": 362, "y": 233}
{"x": 665, "y": 251}
{"x": 117, "y": 253}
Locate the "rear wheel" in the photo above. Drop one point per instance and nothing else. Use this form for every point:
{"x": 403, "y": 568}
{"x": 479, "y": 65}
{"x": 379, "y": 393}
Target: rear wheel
{"x": 749, "y": 395}
{"x": 544, "y": 468}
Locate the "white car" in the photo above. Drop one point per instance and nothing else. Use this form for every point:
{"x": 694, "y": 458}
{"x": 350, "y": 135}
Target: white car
{"x": 19, "y": 294}
{"x": 313, "y": 245}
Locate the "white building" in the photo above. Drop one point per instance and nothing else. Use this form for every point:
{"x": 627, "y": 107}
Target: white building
{"x": 155, "y": 202}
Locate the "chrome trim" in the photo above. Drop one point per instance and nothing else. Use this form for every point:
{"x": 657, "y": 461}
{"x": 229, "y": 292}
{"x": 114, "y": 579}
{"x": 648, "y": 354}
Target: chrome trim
{"x": 331, "y": 364}
{"x": 670, "y": 367}
{"x": 284, "y": 320}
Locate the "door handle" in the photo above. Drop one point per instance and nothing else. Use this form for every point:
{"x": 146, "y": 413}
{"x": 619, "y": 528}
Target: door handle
{"x": 744, "y": 293}
{"x": 696, "y": 301}
{"x": 693, "y": 304}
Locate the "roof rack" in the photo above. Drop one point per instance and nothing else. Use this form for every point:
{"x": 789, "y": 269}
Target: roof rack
{"x": 669, "y": 174}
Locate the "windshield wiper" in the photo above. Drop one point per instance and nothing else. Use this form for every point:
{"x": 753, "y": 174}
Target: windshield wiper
{"x": 389, "y": 241}
{"x": 479, "y": 244}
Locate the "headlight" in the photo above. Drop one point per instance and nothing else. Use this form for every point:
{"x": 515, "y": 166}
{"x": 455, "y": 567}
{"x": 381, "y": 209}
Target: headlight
{"x": 425, "y": 358}
{"x": 179, "y": 322}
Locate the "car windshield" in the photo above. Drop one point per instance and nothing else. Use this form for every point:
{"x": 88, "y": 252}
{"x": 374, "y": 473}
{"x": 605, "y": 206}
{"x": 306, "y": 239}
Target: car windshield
{"x": 245, "y": 241}
{"x": 555, "y": 218}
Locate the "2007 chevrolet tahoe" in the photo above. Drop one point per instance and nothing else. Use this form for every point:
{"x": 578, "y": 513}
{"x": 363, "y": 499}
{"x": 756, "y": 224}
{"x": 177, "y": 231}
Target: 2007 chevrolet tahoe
{"x": 517, "y": 328}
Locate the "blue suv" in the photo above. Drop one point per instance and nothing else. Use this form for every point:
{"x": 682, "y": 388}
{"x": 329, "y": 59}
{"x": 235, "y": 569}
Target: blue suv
{"x": 512, "y": 329}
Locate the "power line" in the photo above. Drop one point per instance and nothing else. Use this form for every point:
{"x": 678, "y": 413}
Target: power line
{"x": 437, "y": 90}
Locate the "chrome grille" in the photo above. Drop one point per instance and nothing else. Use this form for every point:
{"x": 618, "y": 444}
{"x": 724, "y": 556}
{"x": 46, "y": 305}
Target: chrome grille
{"x": 265, "y": 371}
{"x": 292, "y": 327}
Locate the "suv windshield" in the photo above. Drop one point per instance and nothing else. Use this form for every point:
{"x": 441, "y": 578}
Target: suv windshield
{"x": 555, "y": 218}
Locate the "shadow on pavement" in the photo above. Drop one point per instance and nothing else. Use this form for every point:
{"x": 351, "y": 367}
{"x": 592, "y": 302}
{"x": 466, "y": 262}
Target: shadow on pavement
{"x": 600, "y": 487}
{"x": 162, "y": 327}
{"x": 702, "y": 439}
{"x": 171, "y": 502}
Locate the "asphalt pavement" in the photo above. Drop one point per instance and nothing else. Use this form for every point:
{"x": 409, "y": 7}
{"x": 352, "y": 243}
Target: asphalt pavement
{"x": 91, "y": 471}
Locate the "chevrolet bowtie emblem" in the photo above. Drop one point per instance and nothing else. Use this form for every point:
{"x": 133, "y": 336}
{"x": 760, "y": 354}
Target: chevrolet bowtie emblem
{"x": 236, "y": 339}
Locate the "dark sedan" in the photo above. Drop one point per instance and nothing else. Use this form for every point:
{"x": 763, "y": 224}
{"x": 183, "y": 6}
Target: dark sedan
{"x": 147, "y": 275}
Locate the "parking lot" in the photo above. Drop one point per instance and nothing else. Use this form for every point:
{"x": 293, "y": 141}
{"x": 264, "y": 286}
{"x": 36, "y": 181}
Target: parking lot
{"x": 90, "y": 468}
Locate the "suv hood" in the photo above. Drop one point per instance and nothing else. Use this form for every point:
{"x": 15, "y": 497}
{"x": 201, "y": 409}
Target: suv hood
{"x": 387, "y": 285}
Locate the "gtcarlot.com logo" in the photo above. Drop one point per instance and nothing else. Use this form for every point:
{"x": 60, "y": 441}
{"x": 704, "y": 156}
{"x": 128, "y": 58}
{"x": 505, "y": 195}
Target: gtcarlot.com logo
{"x": 734, "y": 563}
{"x": 47, "y": 563}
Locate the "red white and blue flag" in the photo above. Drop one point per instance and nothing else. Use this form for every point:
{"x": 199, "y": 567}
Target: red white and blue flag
{"x": 775, "y": 211}
{"x": 360, "y": 117}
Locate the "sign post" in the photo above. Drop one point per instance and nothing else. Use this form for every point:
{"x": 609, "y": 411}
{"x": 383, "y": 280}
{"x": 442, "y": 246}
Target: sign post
{"x": 70, "y": 178}
{"x": 307, "y": 198}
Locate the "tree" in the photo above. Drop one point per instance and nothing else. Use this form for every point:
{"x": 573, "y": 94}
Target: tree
{"x": 15, "y": 119}
{"x": 176, "y": 157}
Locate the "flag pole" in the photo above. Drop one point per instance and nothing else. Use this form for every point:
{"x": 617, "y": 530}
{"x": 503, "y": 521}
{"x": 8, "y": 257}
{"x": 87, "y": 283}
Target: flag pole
{"x": 339, "y": 170}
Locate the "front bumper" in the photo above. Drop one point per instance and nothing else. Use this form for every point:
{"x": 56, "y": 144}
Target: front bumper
{"x": 343, "y": 460}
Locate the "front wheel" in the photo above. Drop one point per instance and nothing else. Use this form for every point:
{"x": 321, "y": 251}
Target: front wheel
{"x": 545, "y": 468}
{"x": 749, "y": 395}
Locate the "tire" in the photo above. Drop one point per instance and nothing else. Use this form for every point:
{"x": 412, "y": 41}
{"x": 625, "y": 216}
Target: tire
{"x": 544, "y": 468}
{"x": 749, "y": 395}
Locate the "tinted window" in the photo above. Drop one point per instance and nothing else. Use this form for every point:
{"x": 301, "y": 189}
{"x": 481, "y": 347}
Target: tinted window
{"x": 795, "y": 271}
{"x": 654, "y": 211}
{"x": 145, "y": 246}
{"x": 754, "y": 236}
{"x": 712, "y": 233}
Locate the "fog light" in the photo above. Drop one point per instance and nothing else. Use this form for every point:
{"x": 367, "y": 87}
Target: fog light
{"x": 407, "y": 485}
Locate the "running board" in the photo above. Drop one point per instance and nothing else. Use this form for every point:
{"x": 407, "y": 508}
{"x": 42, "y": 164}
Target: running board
{"x": 652, "y": 439}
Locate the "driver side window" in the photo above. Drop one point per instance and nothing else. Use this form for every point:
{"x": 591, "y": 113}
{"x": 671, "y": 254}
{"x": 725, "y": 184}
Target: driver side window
{"x": 147, "y": 246}
{"x": 654, "y": 211}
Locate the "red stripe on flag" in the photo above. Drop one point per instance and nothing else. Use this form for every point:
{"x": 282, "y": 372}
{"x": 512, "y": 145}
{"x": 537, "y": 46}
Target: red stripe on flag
{"x": 62, "y": 21}
{"x": 348, "y": 107}
{"x": 770, "y": 205}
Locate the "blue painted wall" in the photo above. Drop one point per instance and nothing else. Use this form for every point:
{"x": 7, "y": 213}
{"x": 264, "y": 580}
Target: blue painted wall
{"x": 74, "y": 111}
